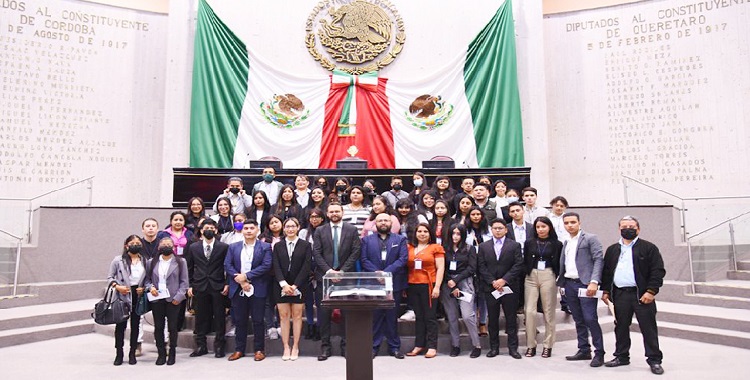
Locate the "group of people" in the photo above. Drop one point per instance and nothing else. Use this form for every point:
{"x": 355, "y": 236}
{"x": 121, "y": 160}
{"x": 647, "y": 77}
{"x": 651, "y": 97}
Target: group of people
{"x": 464, "y": 254}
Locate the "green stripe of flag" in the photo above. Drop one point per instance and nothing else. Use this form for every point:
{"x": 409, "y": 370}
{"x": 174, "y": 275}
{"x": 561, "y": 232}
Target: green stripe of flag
{"x": 220, "y": 71}
{"x": 492, "y": 91}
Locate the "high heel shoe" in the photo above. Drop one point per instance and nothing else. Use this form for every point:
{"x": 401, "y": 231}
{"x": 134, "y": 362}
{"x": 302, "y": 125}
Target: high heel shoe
{"x": 285, "y": 356}
{"x": 431, "y": 353}
{"x": 530, "y": 352}
{"x": 416, "y": 351}
{"x": 295, "y": 354}
{"x": 546, "y": 352}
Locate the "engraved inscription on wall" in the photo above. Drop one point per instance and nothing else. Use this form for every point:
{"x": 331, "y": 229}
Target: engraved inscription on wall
{"x": 659, "y": 77}
{"x": 66, "y": 73}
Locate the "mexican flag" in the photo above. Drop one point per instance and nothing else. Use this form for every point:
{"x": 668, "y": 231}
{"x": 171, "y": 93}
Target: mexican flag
{"x": 244, "y": 108}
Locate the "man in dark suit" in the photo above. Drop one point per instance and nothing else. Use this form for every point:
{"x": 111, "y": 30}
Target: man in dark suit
{"x": 208, "y": 286}
{"x": 501, "y": 265}
{"x": 248, "y": 267}
{"x": 386, "y": 252}
{"x": 633, "y": 273}
{"x": 581, "y": 268}
{"x": 336, "y": 247}
{"x": 518, "y": 230}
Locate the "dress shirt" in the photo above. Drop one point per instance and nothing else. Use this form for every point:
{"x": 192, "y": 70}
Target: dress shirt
{"x": 136, "y": 272}
{"x": 208, "y": 247}
{"x": 290, "y": 244}
{"x": 571, "y": 270}
{"x": 246, "y": 259}
{"x": 271, "y": 189}
{"x": 624, "y": 273}
{"x": 531, "y": 213}
{"x": 164, "y": 268}
{"x": 303, "y": 198}
{"x": 499, "y": 246}
{"x": 520, "y": 233}
{"x": 557, "y": 223}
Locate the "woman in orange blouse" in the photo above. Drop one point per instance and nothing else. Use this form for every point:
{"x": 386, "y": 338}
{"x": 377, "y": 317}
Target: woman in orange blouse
{"x": 426, "y": 268}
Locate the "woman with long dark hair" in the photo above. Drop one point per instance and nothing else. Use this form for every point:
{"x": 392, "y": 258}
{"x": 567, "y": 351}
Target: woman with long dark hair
{"x": 380, "y": 205}
{"x": 477, "y": 227}
{"x": 127, "y": 274}
{"x": 441, "y": 221}
{"x": 287, "y": 206}
{"x": 341, "y": 190}
{"x": 356, "y": 212}
{"x": 464, "y": 204}
{"x": 408, "y": 217}
{"x": 180, "y": 235}
{"x": 458, "y": 291}
{"x": 420, "y": 185}
{"x": 542, "y": 266}
{"x": 444, "y": 190}
{"x": 426, "y": 203}
{"x": 260, "y": 211}
{"x": 223, "y": 219}
{"x": 168, "y": 274}
{"x": 426, "y": 267}
{"x": 195, "y": 211}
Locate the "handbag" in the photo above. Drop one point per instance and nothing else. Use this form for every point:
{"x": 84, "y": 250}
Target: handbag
{"x": 143, "y": 305}
{"x": 110, "y": 310}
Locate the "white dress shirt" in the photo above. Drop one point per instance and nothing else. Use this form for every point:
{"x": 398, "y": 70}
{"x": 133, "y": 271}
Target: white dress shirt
{"x": 571, "y": 270}
{"x": 624, "y": 273}
{"x": 246, "y": 258}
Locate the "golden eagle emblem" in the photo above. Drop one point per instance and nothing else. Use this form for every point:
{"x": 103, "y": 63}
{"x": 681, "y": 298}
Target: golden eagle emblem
{"x": 428, "y": 112}
{"x": 355, "y": 35}
{"x": 284, "y": 111}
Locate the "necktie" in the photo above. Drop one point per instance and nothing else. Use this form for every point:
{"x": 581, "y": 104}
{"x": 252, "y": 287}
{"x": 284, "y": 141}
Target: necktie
{"x": 335, "y": 247}
{"x": 291, "y": 249}
{"x": 498, "y": 248}
{"x": 208, "y": 252}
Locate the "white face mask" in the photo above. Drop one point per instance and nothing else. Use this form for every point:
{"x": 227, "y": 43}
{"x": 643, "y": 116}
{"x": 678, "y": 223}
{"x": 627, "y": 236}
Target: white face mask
{"x": 512, "y": 199}
{"x": 418, "y": 182}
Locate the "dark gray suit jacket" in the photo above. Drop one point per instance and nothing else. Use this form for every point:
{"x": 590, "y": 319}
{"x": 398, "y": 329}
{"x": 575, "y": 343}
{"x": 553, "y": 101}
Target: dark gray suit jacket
{"x": 177, "y": 278}
{"x": 349, "y": 249}
{"x": 589, "y": 259}
{"x": 512, "y": 233}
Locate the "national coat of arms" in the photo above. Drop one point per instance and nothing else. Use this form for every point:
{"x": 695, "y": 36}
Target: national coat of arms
{"x": 354, "y": 36}
{"x": 284, "y": 111}
{"x": 428, "y": 112}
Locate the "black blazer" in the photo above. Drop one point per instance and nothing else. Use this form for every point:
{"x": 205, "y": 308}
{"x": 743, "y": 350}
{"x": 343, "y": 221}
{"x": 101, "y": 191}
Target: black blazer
{"x": 648, "y": 266}
{"x": 512, "y": 233}
{"x": 552, "y": 251}
{"x": 509, "y": 267}
{"x": 205, "y": 274}
{"x": 349, "y": 249}
{"x": 299, "y": 271}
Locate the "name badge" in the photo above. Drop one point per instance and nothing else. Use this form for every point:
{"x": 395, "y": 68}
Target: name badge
{"x": 179, "y": 251}
{"x": 541, "y": 265}
{"x": 383, "y": 254}
{"x": 453, "y": 265}
{"x": 417, "y": 264}
{"x": 162, "y": 286}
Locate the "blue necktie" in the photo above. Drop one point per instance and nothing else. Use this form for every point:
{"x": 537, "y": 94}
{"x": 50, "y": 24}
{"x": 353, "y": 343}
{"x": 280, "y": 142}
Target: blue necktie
{"x": 335, "y": 247}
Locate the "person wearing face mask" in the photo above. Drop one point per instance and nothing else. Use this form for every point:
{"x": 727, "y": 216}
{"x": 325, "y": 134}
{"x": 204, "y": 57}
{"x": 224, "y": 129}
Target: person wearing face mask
{"x": 269, "y": 185}
{"x": 395, "y": 194}
{"x": 166, "y": 279}
{"x": 420, "y": 185}
{"x": 369, "y": 188}
{"x": 632, "y": 275}
{"x": 340, "y": 191}
{"x": 236, "y": 235}
{"x": 127, "y": 274}
{"x": 208, "y": 287}
{"x": 236, "y": 194}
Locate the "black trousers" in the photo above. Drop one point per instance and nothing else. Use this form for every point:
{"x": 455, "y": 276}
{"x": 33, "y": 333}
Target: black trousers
{"x": 209, "y": 311}
{"x": 425, "y": 322}
{"x": 134, "y": 319}
{"x": 324, "y": 324}
{"x": 626, "y": 304}
{"x": 162, "y": 309}
{"x": 509, "y": 303}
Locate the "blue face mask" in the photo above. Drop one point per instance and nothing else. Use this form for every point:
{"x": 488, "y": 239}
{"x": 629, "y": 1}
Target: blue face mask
{"x": 268, "y": 177}
{"x": 238, "y": 225}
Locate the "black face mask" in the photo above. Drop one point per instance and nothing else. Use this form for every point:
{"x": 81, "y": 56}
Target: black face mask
{"x": 166, "y": 251}
{"x": 341, "y": 187}
{"x": 134, "y": 248}
{"x": 234, "y": 190}
{"x": 628, "y": 233}
{"x": 397, "y": 187}
{"x": 209, "y": 234}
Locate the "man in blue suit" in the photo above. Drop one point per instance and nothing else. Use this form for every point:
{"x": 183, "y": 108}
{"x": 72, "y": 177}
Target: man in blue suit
{"x": 248, "y": 268}
{"x": 581, "y": 265}
{"x": 386, "y": 252}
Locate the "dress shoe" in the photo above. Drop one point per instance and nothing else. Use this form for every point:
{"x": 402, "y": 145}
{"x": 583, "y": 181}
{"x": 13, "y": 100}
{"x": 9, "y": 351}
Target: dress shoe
{"x": 236, "y": 355}
{"x": 514, "y": 354}
{"x": 416, "y": 351}
{"x": 656, "y": 368}
{"x": 161, "y": 359}
{"x": 566, "y": 310}
{"x": 259, "y": 355}
{"x": 397, "y": 354}
{"x": 597, "y": 361}
{"x": 431, "y": 353}
{"x": 131, "y": 356}
{"x": 219, "y": 352}
{"x": 200, "y": 351}
{"x": 139, "y": 350}
{"x": 492, "y": 353}
{"x": 616, "y": 362}
{"x": 295, "y": 354}
{"x": 455, "y": 351}
{"x": 580, "y": 355}
{"x": 324, "y": 355}
{"x": 475, "y": 352}
{"x": 483, "y": 330}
